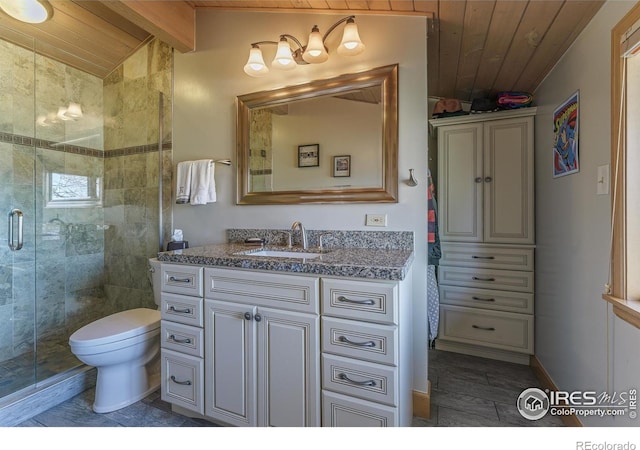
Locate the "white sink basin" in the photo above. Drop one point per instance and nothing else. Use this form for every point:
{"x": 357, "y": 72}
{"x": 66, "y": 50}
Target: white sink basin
{"x": 281, "y": 254}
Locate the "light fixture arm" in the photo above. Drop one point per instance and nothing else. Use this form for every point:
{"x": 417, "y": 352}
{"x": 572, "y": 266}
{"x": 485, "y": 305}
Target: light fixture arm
{"x": 335, "y": 25}
{"x": 288, "y": 36}
{"x": 293, "y": 38}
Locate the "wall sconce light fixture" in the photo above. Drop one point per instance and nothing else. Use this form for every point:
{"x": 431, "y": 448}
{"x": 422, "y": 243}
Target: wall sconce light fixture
{"x": 315, "y": 52}
{"x": 29, "y": 11}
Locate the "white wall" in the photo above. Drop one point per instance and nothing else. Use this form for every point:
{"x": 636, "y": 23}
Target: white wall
{"x": 579, "y": 341}
{"x": 207, "y": 81}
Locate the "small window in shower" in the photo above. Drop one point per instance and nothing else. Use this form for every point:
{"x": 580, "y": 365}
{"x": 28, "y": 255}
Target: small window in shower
{"x": 68, "y": 191}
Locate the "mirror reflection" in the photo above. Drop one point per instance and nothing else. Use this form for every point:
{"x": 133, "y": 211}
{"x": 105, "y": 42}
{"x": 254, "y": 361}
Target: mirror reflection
{"x": 325, "y": 141}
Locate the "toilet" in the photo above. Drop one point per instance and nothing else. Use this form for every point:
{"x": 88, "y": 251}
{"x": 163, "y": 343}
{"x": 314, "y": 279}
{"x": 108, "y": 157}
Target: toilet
{"x": 125, "y": 349}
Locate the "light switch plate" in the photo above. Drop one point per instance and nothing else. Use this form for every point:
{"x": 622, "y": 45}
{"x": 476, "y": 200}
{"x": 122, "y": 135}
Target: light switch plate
{"x": 603, "y": 180}
{"x": 376, "y": 220}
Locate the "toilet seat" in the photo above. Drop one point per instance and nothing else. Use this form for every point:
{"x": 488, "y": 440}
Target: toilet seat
{"x": 115, "y": 328}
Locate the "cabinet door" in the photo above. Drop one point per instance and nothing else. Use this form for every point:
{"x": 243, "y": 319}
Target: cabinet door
{"x": 508, "y": 186}
{"x": 288, "y": 369}
{"x": 230, "y": 363}
{"x": 460, "y": 182}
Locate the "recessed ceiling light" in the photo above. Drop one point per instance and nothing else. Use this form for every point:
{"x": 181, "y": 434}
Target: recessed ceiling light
{"x": 29, "y": 11}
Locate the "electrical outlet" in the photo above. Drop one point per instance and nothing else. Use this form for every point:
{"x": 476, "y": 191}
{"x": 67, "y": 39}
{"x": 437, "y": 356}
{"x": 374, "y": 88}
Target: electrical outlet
{"x": 376, "y": 220}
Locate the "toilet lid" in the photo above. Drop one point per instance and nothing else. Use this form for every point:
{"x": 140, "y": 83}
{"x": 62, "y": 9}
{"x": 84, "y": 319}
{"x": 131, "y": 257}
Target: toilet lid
{"x": 117, "y": 327}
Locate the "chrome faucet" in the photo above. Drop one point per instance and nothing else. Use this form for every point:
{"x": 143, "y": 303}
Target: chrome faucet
{"x": 298, "y": 224}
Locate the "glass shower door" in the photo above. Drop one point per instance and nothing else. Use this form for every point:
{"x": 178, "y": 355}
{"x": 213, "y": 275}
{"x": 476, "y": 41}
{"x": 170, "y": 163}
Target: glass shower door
{"x": 17, "y": 219}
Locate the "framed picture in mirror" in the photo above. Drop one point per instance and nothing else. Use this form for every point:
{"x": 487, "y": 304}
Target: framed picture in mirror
{"x": 309, "y": 155}
{"x": 342, "y": 166}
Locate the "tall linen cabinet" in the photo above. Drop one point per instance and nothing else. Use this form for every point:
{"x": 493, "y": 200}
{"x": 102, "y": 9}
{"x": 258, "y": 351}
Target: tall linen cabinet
{"x": 486, "y": 224}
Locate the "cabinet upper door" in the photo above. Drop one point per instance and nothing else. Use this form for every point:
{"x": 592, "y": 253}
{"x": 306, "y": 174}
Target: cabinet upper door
{"x": 460, "y": 182}
{"x": 508, "y": 181}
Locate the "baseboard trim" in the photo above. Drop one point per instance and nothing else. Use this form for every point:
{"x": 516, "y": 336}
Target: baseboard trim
{"x": 484, "y": 352}
{"x": 547, "y": 383}
{"x": 422, "y": 403}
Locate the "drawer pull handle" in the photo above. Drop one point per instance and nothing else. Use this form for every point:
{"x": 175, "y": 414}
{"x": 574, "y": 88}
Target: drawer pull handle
{"x": 344, "y": 299}
{"x": 183, "y": 383}
{"x": 181, "y": 311}
{"x": 344, "y": 377}
{"x": 483, "y": 299}
{"x": 478, "y": 327}
{"x": 482, "y": 257}
{"x": 180, "y": 280}
{"x": 180, "y": 341}
{"x": 483, "y": 279}
{"x": 346, "y": 340}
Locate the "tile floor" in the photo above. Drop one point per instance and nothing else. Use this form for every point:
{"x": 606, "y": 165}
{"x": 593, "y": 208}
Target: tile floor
{"x": 466, "y": 391}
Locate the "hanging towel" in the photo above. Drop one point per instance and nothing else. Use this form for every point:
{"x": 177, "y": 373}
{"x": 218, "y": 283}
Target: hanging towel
{"x": 433, "y": 239}
{"x": 203, "y": 187}
{"x": 183, "y": 182}
{"x": 433, "y": 303}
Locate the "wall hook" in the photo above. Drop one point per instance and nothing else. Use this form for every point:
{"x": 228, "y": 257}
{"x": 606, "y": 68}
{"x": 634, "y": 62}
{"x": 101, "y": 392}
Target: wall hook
{"x": 412, "y": 180}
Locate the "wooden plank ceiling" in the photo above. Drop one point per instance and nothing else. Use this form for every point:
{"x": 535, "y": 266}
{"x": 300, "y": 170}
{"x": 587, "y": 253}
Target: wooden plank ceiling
{"x": 475, "y": 47}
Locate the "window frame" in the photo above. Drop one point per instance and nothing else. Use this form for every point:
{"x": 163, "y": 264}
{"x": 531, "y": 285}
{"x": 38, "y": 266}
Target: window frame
{"x": 628, "y": 310}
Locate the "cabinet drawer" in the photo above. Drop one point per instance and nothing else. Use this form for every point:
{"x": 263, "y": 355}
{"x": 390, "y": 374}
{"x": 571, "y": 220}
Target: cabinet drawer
{"x": 487, "y": 256}
{"x": 362, "y": 379}
{"x": 497, "y": 329}
{"x": 181, "y": 309}
{"x": 181, "y": 338}
{"x": 182, "y": 279}
{"x": 361, "y": 300}
{"x": 520, "y": 302}
{"x": 292, "y": 292}
{"x": 362, "y": 340}
{"x": 341, "y": 411}
{"x": 506, "y": 280}
{"x": 182, "y": 380}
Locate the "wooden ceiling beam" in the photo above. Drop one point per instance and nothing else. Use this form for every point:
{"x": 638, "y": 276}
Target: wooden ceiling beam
{"x": 172, "y": 22}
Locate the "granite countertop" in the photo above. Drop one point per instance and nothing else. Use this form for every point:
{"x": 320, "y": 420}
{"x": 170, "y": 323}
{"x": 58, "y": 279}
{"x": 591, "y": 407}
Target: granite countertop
{"x": 370, "y": 263}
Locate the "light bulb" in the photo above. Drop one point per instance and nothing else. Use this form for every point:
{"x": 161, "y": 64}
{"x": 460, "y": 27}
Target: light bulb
{"x": 255, "y": 65}
{"x": 283, "y": 59}
{"x": 315, "y": 52}
{"x": 351, "y": 44}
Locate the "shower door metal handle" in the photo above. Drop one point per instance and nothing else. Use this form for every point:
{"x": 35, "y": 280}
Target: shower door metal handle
{"x": 12, "y": 216}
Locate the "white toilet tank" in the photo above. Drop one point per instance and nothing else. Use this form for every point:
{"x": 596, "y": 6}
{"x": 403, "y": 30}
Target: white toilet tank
{"x": 156, "y": 279}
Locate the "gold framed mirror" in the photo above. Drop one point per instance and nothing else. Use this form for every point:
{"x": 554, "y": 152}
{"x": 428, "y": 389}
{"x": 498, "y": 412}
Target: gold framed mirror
{"x": 326, "y": 141}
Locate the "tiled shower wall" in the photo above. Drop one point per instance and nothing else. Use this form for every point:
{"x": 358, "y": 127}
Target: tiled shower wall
{"x": 133, "y": 113}
{"x": 88, "y": 261}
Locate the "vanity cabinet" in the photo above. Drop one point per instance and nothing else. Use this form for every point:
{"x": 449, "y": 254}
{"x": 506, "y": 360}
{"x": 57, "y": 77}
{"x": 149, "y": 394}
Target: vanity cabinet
{"x": 181, "y": 337}
{"x": 366, "y": 366}
{"x": 259, "y": 348}
{"x": 262, "y": 362}
{"x": 486, "y": 227}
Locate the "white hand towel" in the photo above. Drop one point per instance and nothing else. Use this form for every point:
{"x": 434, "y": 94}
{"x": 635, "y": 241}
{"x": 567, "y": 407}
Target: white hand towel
{"x": 203, "y": 189}
{"x": 183, "y": 182}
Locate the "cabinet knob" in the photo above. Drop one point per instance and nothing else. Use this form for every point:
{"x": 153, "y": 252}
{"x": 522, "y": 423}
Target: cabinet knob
{"x": 258, "y": 317}
{"x": 478, "y": 180}
{"x": 247, "y": 316}
{"x": 488, "y": 179}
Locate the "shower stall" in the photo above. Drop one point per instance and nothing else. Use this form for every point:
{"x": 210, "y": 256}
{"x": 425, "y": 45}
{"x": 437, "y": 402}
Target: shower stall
{"x": 85, "y": 190}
